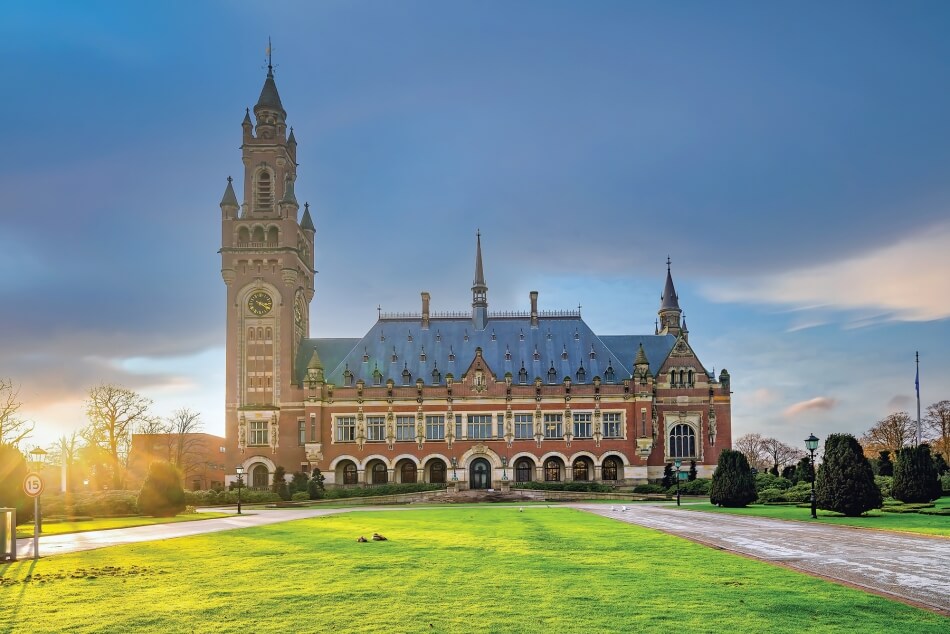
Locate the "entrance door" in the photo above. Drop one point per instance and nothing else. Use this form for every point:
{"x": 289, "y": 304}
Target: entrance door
{"x": 480, "y": 474}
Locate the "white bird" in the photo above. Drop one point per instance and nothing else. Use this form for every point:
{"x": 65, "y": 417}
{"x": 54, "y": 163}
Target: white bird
{"x": 521, "y": 509}
{"x": 623, "y": 508}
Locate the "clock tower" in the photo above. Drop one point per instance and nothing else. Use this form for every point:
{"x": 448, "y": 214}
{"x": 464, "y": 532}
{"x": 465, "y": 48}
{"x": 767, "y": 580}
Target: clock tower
{"x": 267, "y": 265}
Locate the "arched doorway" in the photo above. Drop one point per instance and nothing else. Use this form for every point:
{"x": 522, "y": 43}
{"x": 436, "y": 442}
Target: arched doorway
{"x": 480, "y": 474}
{"x": 523, "y": 470}
{"x": 437, "y": 472}
{"x": 407, "y": 472}
{"x": 259, "y": 477}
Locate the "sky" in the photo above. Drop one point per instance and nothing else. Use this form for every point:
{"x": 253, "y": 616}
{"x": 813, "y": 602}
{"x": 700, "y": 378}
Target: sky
{"x": 791, "y": 158}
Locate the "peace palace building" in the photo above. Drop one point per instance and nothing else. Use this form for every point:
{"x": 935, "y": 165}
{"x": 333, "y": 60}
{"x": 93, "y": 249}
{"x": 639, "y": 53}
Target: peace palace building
{"x": 479, "y": 396}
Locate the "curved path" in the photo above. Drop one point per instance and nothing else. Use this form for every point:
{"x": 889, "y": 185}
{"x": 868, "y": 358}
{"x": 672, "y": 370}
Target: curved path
{"x": 913, "y": 568}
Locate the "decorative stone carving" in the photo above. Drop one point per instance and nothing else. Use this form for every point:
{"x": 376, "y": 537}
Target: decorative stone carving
{"x": 314, "y": 451}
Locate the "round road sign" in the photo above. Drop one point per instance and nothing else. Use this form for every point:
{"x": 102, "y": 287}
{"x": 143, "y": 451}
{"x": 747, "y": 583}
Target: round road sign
{"x": 33, "y": 484}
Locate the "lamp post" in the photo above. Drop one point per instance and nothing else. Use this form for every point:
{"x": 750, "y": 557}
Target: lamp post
{"x": 811, "y": 443}
{"x": 677, "y": 463}
{"x": 240, "y": 483}
{"x": 455, "y": 464}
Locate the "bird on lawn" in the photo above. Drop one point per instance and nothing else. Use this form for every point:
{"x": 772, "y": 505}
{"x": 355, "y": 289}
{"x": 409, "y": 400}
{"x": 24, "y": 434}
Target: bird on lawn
{"x": 521, "y": 509}
{"x": 623, "y": 508}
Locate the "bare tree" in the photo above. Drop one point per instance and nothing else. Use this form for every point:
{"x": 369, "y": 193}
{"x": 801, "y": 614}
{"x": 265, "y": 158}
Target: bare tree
{"x": 889, "y": 434}
{"x": 13, "y": 429}
{"x": 781, "y": 454}
{"x": 187, "y": 448}
{"x": 153, "y": 426}
{"x": 113, "y": 413}
{"x": 65, "y": 452}
{"x": 937, "y": 423}
{"x": 752, "y": 446}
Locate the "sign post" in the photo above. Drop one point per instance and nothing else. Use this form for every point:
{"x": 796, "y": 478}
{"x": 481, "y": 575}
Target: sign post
{"x": 33, "y": 487}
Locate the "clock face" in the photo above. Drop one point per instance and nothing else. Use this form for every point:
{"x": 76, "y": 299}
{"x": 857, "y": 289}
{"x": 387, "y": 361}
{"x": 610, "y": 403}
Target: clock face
{"x": 260, "y": 303}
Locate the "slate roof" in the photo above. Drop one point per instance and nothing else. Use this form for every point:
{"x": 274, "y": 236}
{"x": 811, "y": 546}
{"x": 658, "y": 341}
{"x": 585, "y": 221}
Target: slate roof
{"x": 564, "y": 342}
{"x": 269, "y": 98}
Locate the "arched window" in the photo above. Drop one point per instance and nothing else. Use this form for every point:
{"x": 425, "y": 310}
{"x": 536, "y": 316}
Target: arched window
{"x": 272, "y": 234}
{"x": 244, "y": 235}
{"x": 380, "y": 473}
{"x": 408, "y": 473}
{"x": 682, "y": 377}
{"x": 268, "y": 334}
{"x": 523, "y": 470}
{"x": 552, "y": 471}
{"x": 523, "y": 375}
{"x": 580, "y": 470}
{"x": 689, "y": 378}
{"x": 250, "y": 334}
{"x": 608, "y": 471}
{"x": 259, "y": 477}
{"x": 260, "y": 333}
{"x": 349, "y": 473}
{"x": 672, "y": 378}
{"x": 264, "y": 200}
{"x": 609, "y": 374}
{"x": 437, "y": 472}
{"x": 682, "y": 442}
{"x": 258, "y": 235}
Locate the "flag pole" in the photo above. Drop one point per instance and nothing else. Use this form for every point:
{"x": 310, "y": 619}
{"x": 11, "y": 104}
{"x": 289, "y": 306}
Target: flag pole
{"x": 917, "y": 385}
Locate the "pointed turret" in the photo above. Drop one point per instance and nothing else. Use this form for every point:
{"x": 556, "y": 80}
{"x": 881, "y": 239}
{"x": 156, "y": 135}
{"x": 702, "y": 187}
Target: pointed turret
{"x": 306, "y": 223}
{"x": 229, "y": 200}
{"x": 669, "y": 306}
{"x": 479, "y": 289}
{"x": 641, "y": 358}
{"x": 270, "y": 99}
{"x": 315, "y": 368}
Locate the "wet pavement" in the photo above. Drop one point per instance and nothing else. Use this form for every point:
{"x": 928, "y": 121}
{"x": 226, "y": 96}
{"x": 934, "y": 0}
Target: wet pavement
{"x": 914, "y": 568}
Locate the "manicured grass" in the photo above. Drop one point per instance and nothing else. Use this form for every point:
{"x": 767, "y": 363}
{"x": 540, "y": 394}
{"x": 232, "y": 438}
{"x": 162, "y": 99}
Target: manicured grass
{"x": 483, "y": 569}
{"x": 82, "y": 526}
{"x": 904, "y": 522}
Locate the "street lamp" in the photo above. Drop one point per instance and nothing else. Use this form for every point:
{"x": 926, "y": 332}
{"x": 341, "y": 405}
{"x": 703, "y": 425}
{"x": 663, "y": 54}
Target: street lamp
{"x": 455, "y": 464}
{"x": 677, "y": 463}
{"x": 240, "y": 483}
{"x": 811, "y": 443}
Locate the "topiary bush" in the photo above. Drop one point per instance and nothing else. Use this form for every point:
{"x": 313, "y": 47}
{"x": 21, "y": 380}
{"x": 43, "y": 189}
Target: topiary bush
{"x": 884, "y": 465}
{"x": 845, "y": 482}
{"x": 316, "y": 488}
{"x": 300, "y": 496}
{"x": 915, "y": 477}
{"x": 770, "y": 481}
{"x": 279, "y": 485}
{"x": 772, "y": 496}
{"x": 732, "y": 482}
{"x": 161, "y": 494}
{"x": 884, "y": 484}
{"x": 800, "y": 492}
{"x": 945, "y": 483}
{"x": 700, "y": 486}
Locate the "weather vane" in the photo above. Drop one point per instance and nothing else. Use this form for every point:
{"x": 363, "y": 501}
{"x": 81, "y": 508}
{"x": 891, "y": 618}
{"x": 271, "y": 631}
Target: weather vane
{"x": 270, "y": 57}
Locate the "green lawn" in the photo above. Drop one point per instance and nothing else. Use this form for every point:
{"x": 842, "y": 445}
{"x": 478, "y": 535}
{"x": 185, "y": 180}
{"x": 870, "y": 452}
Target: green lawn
{"x": 483, "y": 569}
{"x": 59, "y": 528}
{"x": 905, "y": 522}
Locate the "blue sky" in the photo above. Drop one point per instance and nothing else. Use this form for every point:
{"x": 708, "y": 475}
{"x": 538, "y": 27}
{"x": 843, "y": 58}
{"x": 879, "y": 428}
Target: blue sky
{"x": 791, "y": 158}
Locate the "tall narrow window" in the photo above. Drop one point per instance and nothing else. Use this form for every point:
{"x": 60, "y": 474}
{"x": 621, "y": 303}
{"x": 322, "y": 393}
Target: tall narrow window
{"x": 608, "y": 470}
{"x": 346, "y": 429}
{"x": 524, "y": 426}
{"x": 301, "y": 431}
{"x": 349, "y": 473}
{"x": 552, "y": 471}
{"x": 265, "y": 192}
{"x": 375, "y": 428}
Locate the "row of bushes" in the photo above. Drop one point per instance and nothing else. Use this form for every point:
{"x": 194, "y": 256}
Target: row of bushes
{"x": 383, "y": 489}
{"x": 588, "y": 487}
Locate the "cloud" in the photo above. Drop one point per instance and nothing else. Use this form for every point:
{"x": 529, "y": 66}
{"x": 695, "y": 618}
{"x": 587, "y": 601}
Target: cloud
{"x": 904, "y": 281}
{"x": 899, "y": 402}
{"x": 822, "y": 403}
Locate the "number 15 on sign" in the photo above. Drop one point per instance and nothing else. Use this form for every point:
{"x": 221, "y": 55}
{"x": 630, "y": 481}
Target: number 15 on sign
{"x": 33, "y": 484}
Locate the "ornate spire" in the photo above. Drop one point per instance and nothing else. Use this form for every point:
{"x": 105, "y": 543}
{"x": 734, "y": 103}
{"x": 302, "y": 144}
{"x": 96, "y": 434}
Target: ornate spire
{"x": 669, "y": 298}
{"x": 479, "y": 288}
{"x": 641, "y": 357}
{"x": 270, "y": 99}
{"x": 306, "y": 223}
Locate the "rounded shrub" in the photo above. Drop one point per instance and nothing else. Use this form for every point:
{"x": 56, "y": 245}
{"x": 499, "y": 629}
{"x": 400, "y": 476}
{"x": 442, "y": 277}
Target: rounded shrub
{"x": 649, "y": 488}
{"x": 161, "y": 494}
{"x": 732, "y": 482}
{"x": 915, "y": 476}
{"x": 300, "y": 496}
{"x": 845, "y": 482}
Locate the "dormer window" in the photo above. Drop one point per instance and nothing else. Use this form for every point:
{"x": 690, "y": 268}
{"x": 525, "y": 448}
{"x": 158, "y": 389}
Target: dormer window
{"x": 493, "y": 337}
{"x": 377, "y": 377}
{"x": 609, "y": 374}
{"x": 451, "y": 354}
{"x": 552, "y": 374}
{"x": 438, "y": 335}
{"x": 395, "y": 357}
{"x": 537, "y": 355}
{"x": 564, "y": 353}
{"x": 347, "y": 378}
{"x": 593, "y": 355}
{"x": 581, "y": 374}
{"x": 410, "y": 337}
{"x": 521, "y": 336}
{"x": 577, "y": 335}
{"x": 365, "y": 356}
{"x": 406, "y": 376}
{"x": 507, "y": 354}
{"x": 465, "y": 337}
{"x": 422, "y": 354}
{"x": 436, "y": 376}
{"x": 522, "y": 375}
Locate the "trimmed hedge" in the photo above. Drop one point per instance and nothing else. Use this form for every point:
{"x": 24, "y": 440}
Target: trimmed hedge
{"x": 385, "y": 489}
{"x": 218, "y": 498}
{"x": 589, "y": 487}
{"x": 93, "y": 503}
{"x": 649, "y": 488}
{"x": 699, "y": 486}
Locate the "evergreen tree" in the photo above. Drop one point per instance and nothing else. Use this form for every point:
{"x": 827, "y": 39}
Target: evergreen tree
{"x": 915, "y": 476}
{"x": 692, "y": 471}
{"x": 669, "y": 479}
{"x": 788, "y": 472}
{"x": 845, "y": 482}
{"x": 12, "y": 473}
{"x": 732, "y": 483}
{"x": 803, "y": 471}
{"x": 161, "y": 494}
{"x": 884, "y": 465}
{"x": 774, "y": 470}
{"x": 940, "y": 464}
{"x": 299, "y": 483}
{"x": 316, "y": 488}
{"x": 279, "y": 485}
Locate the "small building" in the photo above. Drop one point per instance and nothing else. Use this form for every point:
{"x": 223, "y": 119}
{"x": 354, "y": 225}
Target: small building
{"x": 200, "y": 457}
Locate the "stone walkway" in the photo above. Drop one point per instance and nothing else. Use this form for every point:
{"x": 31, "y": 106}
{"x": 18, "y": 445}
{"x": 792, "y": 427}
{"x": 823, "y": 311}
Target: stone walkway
{"x": 914, "y": 568}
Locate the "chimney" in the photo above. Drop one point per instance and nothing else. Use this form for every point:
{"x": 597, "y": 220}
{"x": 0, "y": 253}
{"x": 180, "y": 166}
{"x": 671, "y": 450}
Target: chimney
{"x": 425, "y": 310}
{"x": 534, "y": 309}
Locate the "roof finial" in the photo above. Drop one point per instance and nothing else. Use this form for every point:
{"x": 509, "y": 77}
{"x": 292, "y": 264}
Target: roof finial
{"x": 270, "y": 59}
{"x": 667, "y": 264}
{"x": 229, "y": 179}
